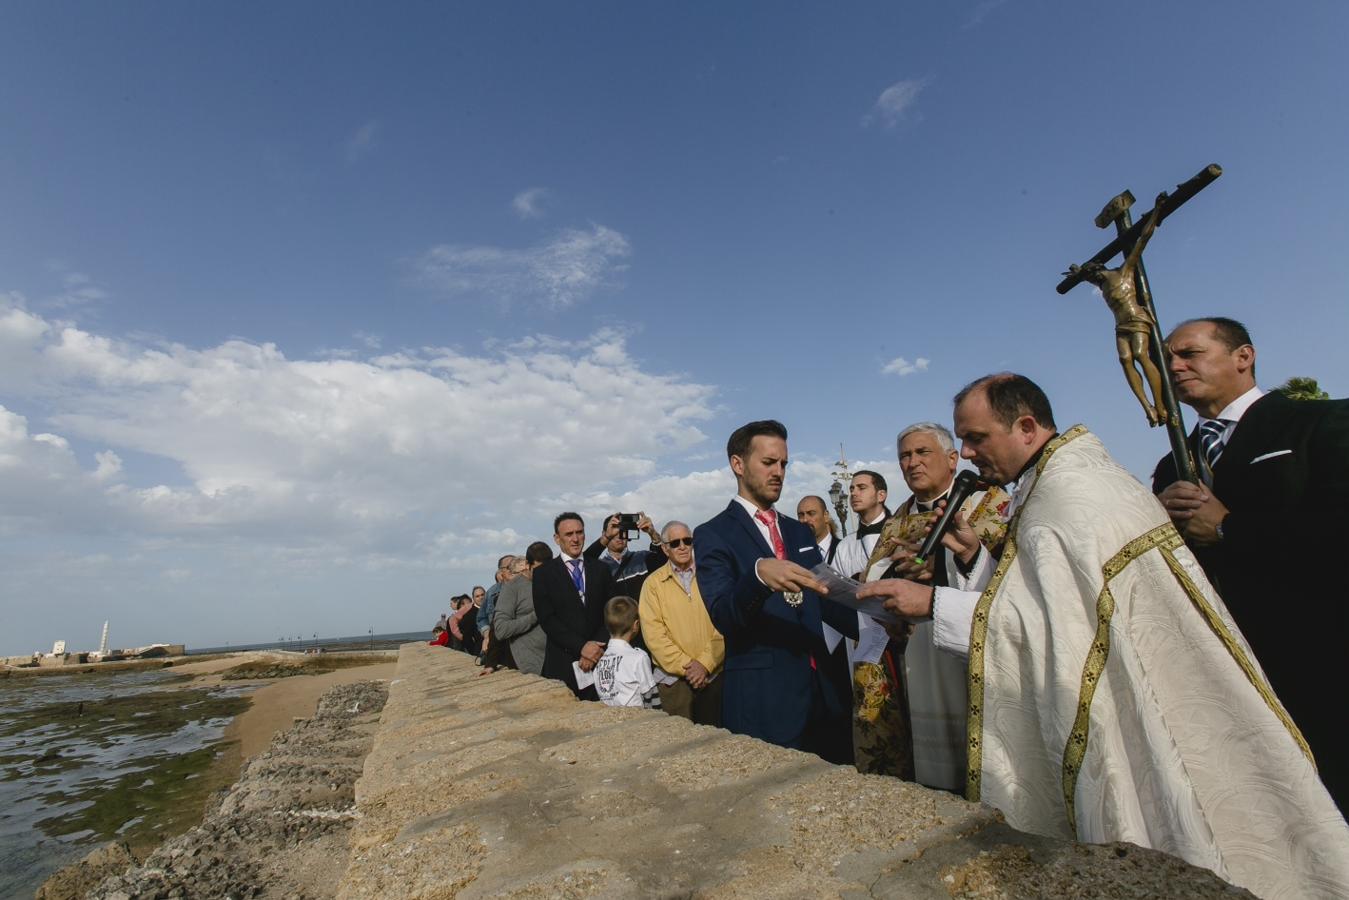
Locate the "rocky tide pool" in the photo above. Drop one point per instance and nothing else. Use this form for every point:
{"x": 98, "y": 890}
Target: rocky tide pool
{"x": 88, "y": 758}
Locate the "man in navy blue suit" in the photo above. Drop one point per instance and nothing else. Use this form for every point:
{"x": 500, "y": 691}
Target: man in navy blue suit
{"x": 754, "y": 572}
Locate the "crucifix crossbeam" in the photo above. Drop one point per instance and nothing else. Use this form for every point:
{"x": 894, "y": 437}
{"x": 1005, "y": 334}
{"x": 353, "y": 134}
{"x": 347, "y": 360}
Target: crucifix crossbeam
{"x": 1125, "y": 237}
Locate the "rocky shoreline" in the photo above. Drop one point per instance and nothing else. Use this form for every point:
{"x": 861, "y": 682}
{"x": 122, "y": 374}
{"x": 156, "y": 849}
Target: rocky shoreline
{"x": 280, "y": 831}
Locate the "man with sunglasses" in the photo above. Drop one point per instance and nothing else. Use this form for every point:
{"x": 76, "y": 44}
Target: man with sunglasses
{"x": 680, "y": 636}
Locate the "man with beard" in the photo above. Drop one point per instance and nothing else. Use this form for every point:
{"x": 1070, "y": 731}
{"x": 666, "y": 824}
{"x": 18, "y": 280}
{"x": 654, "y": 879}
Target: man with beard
{"x": 754, "y": 573}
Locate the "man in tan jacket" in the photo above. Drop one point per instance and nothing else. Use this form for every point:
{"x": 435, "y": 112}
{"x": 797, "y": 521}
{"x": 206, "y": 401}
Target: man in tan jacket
{"x": 686, "y": 648}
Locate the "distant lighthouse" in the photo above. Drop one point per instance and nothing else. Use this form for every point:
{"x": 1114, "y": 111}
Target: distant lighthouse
{"x": 103, "y": 643}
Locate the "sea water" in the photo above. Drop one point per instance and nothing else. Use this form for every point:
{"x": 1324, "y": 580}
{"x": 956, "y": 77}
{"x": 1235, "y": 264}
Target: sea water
{"x": 87, "y": 758}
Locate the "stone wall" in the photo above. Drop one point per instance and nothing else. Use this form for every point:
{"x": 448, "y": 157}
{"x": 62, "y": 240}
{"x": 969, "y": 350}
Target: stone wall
{"x": 506, "y": 786}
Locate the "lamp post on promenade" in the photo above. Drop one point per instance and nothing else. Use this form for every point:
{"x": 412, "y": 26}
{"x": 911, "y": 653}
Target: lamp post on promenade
{"x": 838, "y": 491}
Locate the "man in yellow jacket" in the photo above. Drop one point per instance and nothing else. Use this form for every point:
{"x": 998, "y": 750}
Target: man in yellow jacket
{"x": 687, "y": 650}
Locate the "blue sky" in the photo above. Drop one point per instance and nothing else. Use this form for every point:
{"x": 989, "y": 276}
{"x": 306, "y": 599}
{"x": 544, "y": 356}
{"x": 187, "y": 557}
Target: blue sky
{"x": 309, "y": 312}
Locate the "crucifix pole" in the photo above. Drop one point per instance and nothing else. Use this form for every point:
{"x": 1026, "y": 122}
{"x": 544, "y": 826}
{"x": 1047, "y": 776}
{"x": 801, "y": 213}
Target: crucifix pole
{"x": 1127, "y": 234}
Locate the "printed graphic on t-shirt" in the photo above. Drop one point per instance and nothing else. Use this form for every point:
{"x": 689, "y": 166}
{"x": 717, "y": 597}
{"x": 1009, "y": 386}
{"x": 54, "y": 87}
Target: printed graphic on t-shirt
{"x": 606, "y": 675}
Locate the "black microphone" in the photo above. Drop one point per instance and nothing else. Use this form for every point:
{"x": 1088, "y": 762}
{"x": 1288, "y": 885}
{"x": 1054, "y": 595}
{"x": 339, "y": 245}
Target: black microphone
{"x": 966, "y": 483}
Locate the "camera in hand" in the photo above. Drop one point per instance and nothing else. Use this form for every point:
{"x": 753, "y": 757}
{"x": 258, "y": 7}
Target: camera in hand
{"x": 627, "y": 523}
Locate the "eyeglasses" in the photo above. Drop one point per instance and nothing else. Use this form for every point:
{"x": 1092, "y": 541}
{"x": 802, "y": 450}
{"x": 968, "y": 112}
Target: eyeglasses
{"x": 681, "y": 542}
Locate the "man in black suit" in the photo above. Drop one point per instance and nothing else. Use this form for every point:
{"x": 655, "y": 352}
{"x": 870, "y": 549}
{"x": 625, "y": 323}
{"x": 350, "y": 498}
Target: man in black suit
{"x": 569, "y": 596}
{"x": 754, "y": 574}
{"x": 1276, "y": 474}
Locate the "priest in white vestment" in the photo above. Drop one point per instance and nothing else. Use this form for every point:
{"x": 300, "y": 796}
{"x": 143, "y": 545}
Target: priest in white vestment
{"x": 1111, "y": 696}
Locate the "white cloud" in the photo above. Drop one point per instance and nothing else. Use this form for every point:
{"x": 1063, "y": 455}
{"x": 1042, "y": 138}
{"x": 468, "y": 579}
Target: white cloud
{"x": 359, "y": 144}
{"x": 528, "y": 204}
{"x": 374, "y": 456}
{"x": 901, "y": 366}
{"x": 895, "y": 103}
{"x": 109, "y": 465}
{"x": 559, "y": 273}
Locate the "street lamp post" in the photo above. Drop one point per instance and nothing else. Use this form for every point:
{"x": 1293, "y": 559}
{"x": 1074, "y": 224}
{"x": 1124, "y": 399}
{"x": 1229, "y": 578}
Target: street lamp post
{"x": 838, "y": 491}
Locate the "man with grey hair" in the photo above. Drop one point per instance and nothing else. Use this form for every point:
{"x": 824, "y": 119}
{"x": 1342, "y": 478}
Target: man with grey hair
{"x": 936, "y": 682}
{"x": 687, "y": 649}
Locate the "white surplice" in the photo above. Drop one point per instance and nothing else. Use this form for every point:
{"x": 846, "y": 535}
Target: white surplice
{"x": 1113, "y": 698}
{"x": 937, "y": 686}
{"x": 872, "y": 639}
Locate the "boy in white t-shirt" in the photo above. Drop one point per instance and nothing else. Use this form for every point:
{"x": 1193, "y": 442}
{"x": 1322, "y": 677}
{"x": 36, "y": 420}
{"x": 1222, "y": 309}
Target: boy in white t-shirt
{"x": 623, "y": 676}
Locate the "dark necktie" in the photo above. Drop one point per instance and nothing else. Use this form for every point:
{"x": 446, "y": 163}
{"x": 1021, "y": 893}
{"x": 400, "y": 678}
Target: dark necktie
{"x": 577, "y": 577}
{"x": 1211, "y": 440}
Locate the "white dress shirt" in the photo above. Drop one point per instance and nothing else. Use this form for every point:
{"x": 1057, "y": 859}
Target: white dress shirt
{"x": 1233, "y": 412}
{"x": 753, "y": 514}
{"x": 566, "y": 562}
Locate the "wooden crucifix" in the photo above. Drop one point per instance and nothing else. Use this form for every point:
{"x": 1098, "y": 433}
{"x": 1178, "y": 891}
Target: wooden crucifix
{"x": 1138, "y": 336}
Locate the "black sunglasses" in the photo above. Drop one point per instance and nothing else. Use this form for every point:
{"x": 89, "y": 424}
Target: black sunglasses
{"x": 681, "y": 542}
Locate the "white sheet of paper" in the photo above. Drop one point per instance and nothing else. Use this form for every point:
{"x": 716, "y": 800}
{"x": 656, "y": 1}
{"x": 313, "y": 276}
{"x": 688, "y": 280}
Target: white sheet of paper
{"x": 844, "y": 590}
{"x": 583, "y": 679}
{"x": 872, "y": 639}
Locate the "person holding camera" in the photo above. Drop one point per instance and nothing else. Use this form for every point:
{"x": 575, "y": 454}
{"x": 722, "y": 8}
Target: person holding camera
{"x": 628, "y": 567}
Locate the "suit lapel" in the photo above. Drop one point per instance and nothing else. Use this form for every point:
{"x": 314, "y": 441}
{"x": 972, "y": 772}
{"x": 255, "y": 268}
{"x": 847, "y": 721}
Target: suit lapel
{"x": 1250, "y": 431}
{"x": 567, "y": 586}
{"x": 1248, "y": 434}
{"x": 746, "y": 521}
{"x": 593, "y": 577}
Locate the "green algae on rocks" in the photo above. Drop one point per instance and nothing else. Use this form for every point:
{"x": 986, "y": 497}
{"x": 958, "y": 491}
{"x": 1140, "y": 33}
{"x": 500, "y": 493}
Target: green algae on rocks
{"x": 138, "y": 768}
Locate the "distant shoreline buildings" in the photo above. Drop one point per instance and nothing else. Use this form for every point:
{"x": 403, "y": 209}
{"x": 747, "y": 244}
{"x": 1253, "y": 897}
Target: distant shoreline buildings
{"x": 60, "y": 656}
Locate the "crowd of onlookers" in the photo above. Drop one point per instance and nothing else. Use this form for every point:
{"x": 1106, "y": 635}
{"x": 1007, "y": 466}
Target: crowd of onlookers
{"x": 658, "y": 648}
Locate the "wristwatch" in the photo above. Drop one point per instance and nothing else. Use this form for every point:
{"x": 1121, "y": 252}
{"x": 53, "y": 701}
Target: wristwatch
{"x": 1219, "y": 529}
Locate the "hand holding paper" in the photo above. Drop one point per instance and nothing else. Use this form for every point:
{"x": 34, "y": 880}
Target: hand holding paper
{"x": 905, "y": 600}
{"x": 846, "y": 591}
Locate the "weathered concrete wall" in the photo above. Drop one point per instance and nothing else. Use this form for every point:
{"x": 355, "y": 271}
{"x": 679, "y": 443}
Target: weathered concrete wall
{"x": 505, "y": 786}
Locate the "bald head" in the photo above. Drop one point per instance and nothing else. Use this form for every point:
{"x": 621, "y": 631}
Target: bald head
{"x": 814, "y": 514}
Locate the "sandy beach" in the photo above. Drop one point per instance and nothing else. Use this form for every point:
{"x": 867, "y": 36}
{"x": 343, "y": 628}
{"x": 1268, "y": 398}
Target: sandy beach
{"x": 277, "y": 705}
